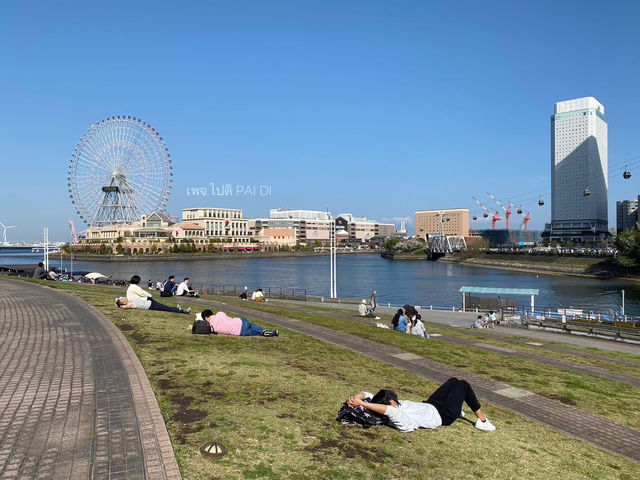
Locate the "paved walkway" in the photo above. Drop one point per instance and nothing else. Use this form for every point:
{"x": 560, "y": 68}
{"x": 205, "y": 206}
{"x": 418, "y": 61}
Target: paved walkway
{"x": 74, "y": 400}
{"x": 571, "y": 421}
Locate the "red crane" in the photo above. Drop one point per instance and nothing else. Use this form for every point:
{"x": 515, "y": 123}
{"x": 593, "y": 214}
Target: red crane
{"x": 494, "y": 218}
{"x": 507, "y": 210}
{"x": 525, "y": 222}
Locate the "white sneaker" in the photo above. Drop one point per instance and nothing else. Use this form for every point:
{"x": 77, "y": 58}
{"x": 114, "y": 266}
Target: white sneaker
{"x": 486, "y": 425}
{"x": 462, "y": 414}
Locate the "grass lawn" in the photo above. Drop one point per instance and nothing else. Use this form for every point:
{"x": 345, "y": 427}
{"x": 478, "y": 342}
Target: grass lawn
{"x": 272, "y": 402}
{"x": 616, "y": 401}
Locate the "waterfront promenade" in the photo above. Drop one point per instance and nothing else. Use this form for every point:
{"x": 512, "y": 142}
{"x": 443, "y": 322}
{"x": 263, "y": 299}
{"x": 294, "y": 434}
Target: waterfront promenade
{"x": 74, "y": 400}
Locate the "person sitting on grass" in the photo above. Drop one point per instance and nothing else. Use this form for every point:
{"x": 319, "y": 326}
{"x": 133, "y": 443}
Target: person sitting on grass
{"x": 399, "y": 321}
{"x": 223, "y": 324}
{"x": 258, "y": 296}
{"x": 40, "y": 273}
{"x": 147, "y": 304}
{"x": 169, "y": 287}
{"x": 417, "y": 327}
{"x": 442, "y": 408}
{"x": 135, "y": 292}
{"x": 363, "y": 311}
{"x": 185, "y": 288}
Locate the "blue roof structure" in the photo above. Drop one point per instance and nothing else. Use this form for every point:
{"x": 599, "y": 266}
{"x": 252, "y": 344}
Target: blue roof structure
{"x": 500, "y": 291}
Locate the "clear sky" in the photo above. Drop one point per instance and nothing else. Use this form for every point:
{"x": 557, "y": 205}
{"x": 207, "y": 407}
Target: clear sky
{"x": 376, "y": 108}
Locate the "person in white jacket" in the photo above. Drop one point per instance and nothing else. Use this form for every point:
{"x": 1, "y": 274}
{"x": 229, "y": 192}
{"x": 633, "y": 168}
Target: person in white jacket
{"x": 134, "y": 292}
{"x": 442, "y": 408}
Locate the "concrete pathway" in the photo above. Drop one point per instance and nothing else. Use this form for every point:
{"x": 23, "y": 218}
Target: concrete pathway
{"x": 75, "y": 402}
{"x": 568, "y": 420}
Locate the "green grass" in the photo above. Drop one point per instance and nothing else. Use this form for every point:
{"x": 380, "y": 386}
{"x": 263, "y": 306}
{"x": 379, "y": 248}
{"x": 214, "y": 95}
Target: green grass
{"x": 616, "y": 401}
{"x": 272, "y": 402}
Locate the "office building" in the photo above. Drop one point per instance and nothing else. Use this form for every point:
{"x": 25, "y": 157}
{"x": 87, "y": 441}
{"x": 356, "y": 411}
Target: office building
{"x": 626, "y": 215}
{"x": 579, "y": 172}
{"x": 453, "y": 221}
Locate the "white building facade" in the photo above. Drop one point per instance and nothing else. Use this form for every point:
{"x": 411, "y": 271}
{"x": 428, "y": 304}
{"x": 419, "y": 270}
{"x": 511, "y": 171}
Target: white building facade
{"x": 579, "y": 172}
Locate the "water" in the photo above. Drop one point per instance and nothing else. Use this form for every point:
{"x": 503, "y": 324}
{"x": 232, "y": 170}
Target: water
{"x": 397, "y": 282}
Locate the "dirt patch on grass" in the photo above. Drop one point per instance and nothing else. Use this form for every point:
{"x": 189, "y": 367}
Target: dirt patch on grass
{"x": 161, "y": 372}
{"x": 181, "y": 401}
{"x": 189, "y": 415}
{"x": 347, "y": 449}
{"x": 167, "y": 384}
{"x": 125, "y": 327}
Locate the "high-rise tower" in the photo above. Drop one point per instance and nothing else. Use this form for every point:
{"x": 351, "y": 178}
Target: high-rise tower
{"x": 579, "y": 171}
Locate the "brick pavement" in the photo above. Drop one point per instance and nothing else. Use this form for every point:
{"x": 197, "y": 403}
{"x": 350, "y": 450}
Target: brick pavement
{"x": 598, "y": 431}
{"x": 74, "y": 400}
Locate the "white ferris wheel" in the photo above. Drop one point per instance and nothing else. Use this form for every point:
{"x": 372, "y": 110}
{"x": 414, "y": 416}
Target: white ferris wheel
{"x": 120, "y": 170}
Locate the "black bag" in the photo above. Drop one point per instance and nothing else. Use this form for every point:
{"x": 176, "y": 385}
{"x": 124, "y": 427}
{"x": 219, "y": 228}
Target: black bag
{"x": 164, "y": 293}
{"x": 361, "y": 416}
{"x": 201, "y": 327}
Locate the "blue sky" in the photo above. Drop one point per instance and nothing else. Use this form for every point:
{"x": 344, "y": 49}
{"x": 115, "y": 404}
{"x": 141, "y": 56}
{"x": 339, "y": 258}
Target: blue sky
{"x": 375, "y": 108}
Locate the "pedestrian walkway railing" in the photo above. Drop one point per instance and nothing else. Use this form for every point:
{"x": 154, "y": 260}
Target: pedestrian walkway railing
{"x": 288, "y": 293}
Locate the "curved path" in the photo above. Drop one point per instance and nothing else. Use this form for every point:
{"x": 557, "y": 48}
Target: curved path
{"x": 74, "y": 400}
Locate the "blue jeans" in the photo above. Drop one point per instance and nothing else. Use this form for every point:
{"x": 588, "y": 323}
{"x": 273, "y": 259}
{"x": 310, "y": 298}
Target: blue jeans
{"x": 163, "y": 308}
{"x": 249, "y": 329}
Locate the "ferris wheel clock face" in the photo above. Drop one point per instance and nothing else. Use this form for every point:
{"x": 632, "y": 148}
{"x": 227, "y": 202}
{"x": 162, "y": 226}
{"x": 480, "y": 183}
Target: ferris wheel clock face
{"x": 120, "y": 170}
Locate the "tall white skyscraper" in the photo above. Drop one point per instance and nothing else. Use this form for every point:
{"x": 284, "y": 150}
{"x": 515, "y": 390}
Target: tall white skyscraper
{"x": 579, "y": 171}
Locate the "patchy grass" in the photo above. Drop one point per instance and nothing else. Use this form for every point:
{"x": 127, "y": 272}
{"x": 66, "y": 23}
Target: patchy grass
{"x": 272, "y": 402}
{"x": 614, "y": 400}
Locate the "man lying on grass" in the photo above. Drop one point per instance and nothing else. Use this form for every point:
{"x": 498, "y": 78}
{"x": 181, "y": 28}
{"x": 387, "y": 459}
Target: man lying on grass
{"x": 147, "y": 304}
{"x": 443, "y": 407}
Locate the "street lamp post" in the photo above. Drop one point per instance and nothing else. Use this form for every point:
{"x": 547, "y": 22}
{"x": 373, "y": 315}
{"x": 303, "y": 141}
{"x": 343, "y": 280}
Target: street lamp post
{"x": 333, "y": 288}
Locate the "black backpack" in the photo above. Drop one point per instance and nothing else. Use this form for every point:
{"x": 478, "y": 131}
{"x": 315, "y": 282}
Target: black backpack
{"x": 201, "y": 327}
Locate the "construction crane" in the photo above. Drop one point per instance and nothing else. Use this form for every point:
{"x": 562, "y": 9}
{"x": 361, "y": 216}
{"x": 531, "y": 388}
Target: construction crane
{"x": 494, "y": 218}
{"x": 525, "y": 222}
{"x": 507, "y": 210}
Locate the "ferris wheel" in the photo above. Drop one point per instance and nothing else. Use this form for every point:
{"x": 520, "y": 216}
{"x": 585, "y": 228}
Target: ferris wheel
{"x": 120, "y": 170}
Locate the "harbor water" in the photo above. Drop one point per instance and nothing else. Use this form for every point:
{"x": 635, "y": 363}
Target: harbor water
{"x": 396, "y": 282}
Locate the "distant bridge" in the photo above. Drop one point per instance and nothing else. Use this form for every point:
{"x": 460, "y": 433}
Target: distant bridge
{"x": 447, "y": 244}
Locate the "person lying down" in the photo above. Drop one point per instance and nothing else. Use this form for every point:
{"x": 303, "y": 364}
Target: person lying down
{"x": 222, "y": 324}
{"x": 442, "y": 408}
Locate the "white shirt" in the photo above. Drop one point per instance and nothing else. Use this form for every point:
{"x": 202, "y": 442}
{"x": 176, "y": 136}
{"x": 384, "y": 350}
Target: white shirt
{"x": 362, "y": 309}
{"x": 134, "y": 291}
{"x": 410, "y": 416}
{"x": 182, "y": 289}
{"x": 141, "y": 304}
{"x": 418, "y": 329}
{"x": 255, "y": 295}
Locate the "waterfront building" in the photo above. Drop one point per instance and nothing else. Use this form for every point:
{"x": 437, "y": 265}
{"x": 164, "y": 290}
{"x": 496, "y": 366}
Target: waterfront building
{"x": 278, "y": 237}
{"x": 626, "y": 214}
{"x": 579, "y": 172}
{"x": 315, "y": 226}
{"x": 452, "y": 221}
{"x": 225, "y": 224}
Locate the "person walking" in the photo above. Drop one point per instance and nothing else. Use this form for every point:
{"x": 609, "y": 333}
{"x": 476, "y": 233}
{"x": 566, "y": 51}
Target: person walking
{"x": 374, "y": 301}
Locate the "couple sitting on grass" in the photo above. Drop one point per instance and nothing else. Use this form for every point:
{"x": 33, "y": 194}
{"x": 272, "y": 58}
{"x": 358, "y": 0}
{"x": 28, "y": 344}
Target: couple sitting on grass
{"x": 443, "y": 407}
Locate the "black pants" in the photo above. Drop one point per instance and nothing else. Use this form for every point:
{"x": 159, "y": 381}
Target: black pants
{"x": 163, "y": 308}
{"x": 448, "y": 399}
